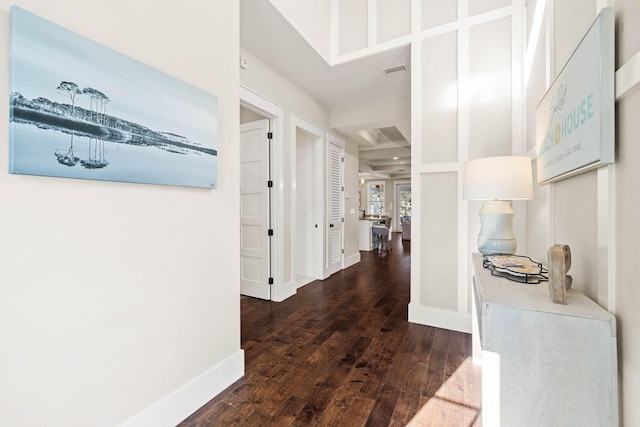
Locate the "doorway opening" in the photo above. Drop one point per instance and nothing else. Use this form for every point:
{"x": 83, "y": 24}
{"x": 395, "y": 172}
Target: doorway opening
{"x": 306, "y": 215}
{"x": 307, "y": 212}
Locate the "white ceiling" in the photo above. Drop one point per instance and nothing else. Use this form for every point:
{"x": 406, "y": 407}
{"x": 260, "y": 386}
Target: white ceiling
{"x": 271, "y": 38}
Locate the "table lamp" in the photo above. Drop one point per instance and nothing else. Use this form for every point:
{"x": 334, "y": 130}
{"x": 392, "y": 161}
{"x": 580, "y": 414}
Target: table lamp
{"x": 497, "y": 181}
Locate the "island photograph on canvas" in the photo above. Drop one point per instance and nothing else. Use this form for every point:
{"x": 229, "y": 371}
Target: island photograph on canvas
{"x": 81, "y": 110}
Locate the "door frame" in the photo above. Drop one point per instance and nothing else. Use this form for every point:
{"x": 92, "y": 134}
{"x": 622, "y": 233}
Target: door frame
{"x": 275, "y": 114}
{"x": 320, "y": 136}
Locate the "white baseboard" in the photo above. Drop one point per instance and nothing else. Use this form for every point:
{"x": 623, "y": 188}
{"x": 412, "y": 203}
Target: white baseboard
{"x": 285, "y": 291}
{"x": 304, "y": 280}
{"x": 352, "y": 260}
{"x": 439, "y": 318}
{"x": 184, "y": 401}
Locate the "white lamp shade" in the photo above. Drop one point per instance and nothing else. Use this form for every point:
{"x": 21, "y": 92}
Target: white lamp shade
{"x": 498, "y": 178}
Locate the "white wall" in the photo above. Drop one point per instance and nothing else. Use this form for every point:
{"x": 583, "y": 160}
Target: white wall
{"x": 264, "y": 80}
{"x": 566, "y": 211}
{"x": 465, "y": 68}
{"x": 627, "y": 248}
{"x": 115, "y": 295}
{"x": 352, "y": 25}
{"x": 627, "y": 294}
{"x": 314, "y": 27}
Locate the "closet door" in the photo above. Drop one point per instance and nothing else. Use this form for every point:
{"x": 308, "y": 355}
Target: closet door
{"x": 335, "y": 190}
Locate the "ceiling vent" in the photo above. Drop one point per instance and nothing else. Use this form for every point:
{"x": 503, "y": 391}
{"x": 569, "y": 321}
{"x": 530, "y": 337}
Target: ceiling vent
{"x": 396, "y": 69}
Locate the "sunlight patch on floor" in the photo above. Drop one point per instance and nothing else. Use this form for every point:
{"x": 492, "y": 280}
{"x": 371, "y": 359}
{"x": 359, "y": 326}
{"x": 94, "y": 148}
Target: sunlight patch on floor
{"x": 457, "y": 402}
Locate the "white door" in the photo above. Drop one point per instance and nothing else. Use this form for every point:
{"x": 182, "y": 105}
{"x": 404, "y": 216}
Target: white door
{"x": 335, "y": 189}
{"x": 254, "y": 210}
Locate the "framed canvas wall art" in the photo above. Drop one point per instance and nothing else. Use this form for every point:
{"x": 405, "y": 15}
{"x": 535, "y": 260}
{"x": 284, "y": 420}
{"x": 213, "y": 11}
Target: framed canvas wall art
{"x": 81, "y": 110}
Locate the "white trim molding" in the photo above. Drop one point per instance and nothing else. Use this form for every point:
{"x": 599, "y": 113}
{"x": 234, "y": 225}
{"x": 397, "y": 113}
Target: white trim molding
{"x": 181, "y": 403}
{"x": 606, "y": 266}
{"x": 628, "y": 77}
{"x": 285, "y": 291}
{"x": 352, "y": 260}
{"x": 440, "y": 318}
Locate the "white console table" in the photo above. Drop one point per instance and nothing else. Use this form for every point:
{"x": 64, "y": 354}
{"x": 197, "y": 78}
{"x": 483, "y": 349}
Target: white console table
{"x": 543, "y": 364}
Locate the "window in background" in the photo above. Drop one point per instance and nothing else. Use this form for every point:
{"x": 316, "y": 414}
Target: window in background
{"x": 404, "y": 200}
{"x": 376, "y": 199}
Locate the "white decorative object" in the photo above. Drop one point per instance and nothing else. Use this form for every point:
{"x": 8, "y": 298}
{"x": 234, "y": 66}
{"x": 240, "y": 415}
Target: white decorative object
{"x": 518, "y": 268}
{"x": 497, "y": 180}
{"x": 543, "y": 364}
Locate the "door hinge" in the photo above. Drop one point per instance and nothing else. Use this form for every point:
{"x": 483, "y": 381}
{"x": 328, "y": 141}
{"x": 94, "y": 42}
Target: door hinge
{"x": 269, "y": 135}
{"x": 271, "y": 280}
{"x": 270, "y": 232}
{"x": 343, "y": 160}
{"x": 343, "y": 251}
{"x": 269, "y": 183}
{"x": 343, "y": 188}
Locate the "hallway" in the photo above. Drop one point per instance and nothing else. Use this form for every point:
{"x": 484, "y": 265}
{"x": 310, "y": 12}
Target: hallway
{"x": 341, "y": 353}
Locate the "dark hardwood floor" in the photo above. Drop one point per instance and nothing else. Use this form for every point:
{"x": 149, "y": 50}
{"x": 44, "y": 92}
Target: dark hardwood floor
{"x": 342, "y": 353}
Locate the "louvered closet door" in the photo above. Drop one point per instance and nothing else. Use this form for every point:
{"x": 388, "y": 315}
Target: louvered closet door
{"x": 335, "y": 208}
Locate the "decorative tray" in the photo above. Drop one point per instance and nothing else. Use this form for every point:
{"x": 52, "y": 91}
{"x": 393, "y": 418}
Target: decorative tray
{"x": 518, "y": 268}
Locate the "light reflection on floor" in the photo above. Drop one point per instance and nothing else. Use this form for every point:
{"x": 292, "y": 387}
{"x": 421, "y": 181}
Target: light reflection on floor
{"x": 456, "y": 403}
